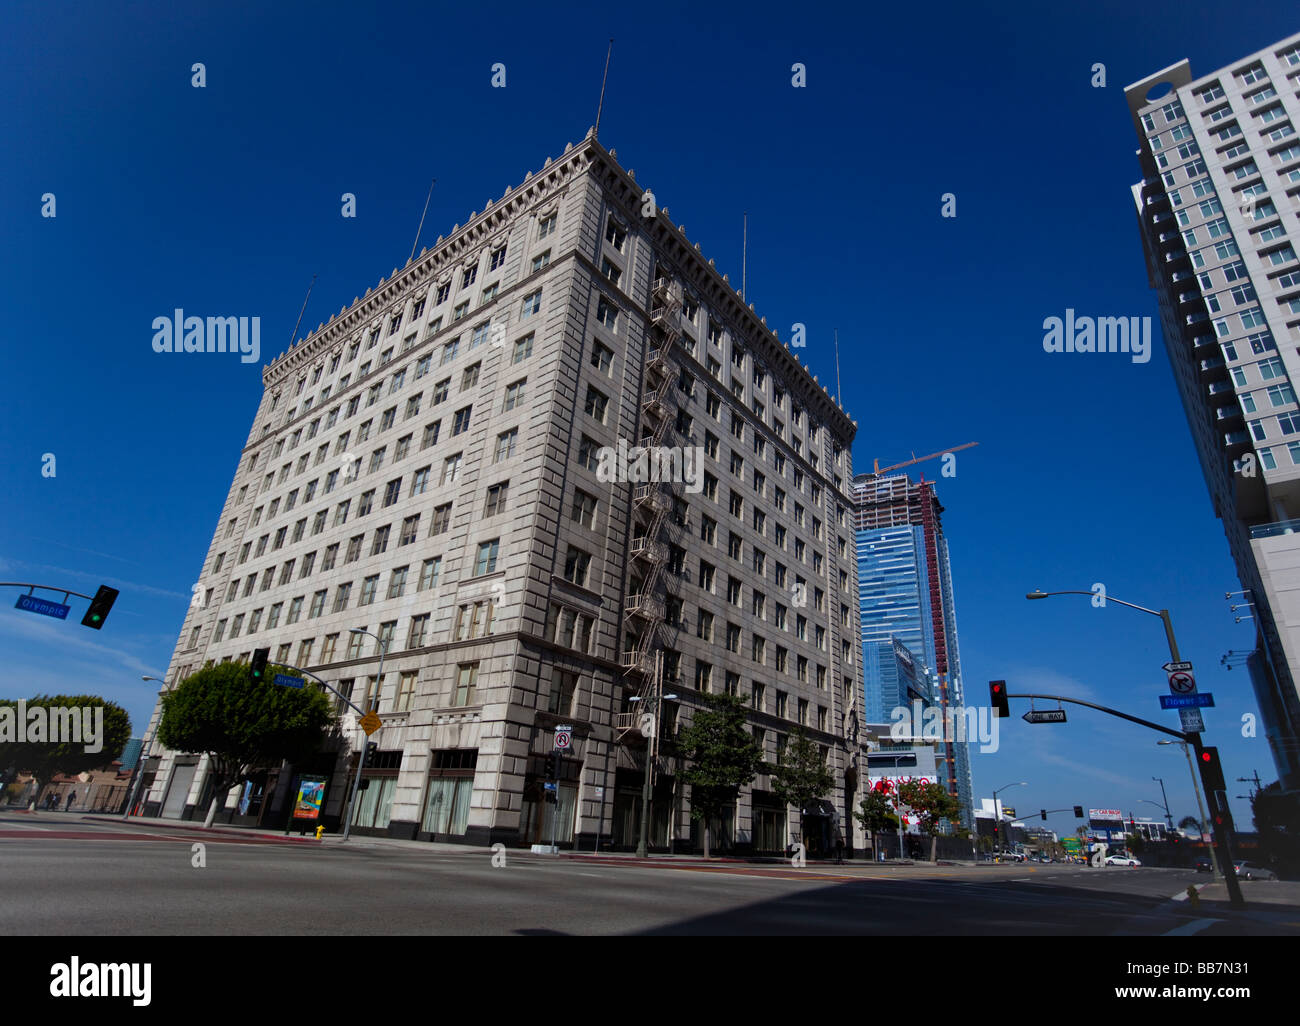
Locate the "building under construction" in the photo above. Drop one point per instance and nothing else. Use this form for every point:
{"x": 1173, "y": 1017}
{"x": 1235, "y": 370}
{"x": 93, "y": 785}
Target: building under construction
{"x": 905, "y": 595}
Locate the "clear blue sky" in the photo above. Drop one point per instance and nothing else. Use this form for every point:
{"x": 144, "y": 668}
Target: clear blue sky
{"x": 225, "y": 200}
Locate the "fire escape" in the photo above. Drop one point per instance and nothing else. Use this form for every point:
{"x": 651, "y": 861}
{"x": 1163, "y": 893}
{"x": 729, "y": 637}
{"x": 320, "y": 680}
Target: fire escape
{"x": 652, "y": 527}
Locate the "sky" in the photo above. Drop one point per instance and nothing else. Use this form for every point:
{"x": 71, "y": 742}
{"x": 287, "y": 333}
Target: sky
{"x": 227, "y": 200}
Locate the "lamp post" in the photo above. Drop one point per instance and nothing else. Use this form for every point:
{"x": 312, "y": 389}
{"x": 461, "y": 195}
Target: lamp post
{"x": 997, "y": 816}
{"x": 361, "y": 758}
{"x": 138, "y": 775}
{"x": 1162, "y": 613}
{"x": 1169, "y": 819}
{"x": 1200, "y": 806}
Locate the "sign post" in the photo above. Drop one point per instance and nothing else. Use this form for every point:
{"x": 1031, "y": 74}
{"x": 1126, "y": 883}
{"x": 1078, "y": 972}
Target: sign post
{"x": 563, "y": 741}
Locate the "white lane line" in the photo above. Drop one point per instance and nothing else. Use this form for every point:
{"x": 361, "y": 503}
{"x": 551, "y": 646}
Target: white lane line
{"x": 1195, "y": 926}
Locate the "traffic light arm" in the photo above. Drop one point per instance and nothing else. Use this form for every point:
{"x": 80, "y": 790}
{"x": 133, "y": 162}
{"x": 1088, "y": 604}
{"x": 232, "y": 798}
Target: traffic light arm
{"x": 42, "y": 587}
{"x": 1188, "y": 738}
{"x": 325, "y": 684}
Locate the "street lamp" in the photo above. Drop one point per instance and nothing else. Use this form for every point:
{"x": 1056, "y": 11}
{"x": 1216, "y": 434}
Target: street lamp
{"x": 997, "y": 816}
{"x": 1162, "y": 613}
{"x": 361, "y": 758}
{"x": 650, "y": 748}
{"x": 138, "y": 775}
{"x": 1168, "y": 818}
{"x": 1200, "y": 807}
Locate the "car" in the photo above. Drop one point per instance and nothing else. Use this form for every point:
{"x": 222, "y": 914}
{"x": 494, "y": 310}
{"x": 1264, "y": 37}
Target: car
{"x": 1203, "y": 866}
{"x": 1122, "y": 860}
{"x": 1250, "y": 871}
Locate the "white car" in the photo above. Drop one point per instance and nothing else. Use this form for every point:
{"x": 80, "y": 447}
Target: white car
{"x": 1122, "y": 860}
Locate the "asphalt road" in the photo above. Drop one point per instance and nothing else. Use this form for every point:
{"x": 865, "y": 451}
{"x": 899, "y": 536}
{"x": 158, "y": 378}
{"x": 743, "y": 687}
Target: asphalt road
{"x": 77, "y": 877}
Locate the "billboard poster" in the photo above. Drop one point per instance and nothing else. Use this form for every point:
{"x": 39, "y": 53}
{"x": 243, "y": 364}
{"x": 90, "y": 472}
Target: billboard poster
{"x": 311, "y": 795}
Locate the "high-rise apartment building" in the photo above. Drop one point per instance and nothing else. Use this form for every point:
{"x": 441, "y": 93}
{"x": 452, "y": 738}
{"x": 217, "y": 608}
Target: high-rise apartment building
{"x": 909, "y": 626}
{"x": 451, "y": 464}
{"x": 1217, "y": 207}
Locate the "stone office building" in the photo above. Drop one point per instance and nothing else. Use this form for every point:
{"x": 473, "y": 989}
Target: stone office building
{"x": 445, "y": 465}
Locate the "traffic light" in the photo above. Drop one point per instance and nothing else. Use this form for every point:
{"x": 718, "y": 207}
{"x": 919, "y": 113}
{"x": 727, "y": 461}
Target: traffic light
{"x": 99, "y": 607}
{"x": 1211, "y": 770}
{"x": 258, "y": 668}
{"x": 998, "y": 697}
{"x": 372, "y": 750}
{"x": 1078, "y": 812}
{"x": 1044, "y": 814}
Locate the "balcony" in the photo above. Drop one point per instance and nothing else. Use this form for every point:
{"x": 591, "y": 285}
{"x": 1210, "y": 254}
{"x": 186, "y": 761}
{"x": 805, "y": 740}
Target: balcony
{"x": 1276, "y": 528}
{"x": 1228, "y": 413}
{"x": 646, "y": 607}
{"x": 1236, "y": 440}
{"x": 1213, "y": 370}
{"x": 1220, "y": 388}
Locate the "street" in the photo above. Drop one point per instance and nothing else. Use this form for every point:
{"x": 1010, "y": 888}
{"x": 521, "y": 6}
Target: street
{"x": 81, "y": 875}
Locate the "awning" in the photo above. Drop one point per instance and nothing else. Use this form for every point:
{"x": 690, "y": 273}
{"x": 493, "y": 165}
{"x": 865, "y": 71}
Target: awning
{"x": 820, "y": 807}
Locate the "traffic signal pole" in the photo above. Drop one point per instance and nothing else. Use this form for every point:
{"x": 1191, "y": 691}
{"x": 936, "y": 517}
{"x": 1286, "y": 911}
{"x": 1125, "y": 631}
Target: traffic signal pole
{"x": 1215, "y": 795}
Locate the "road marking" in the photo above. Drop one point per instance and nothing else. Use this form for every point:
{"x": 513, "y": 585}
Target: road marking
{"x": 1195, "y": 926}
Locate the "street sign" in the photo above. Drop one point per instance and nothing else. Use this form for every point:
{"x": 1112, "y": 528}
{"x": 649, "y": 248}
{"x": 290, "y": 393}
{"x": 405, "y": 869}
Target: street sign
{"x": 549, "y": 785}
{"x": 1191, "y": 721}
{"x": 563, "y": 738}
{"x": 1200, "y": 700}
{"x": 1173, "y": 667}
{"x": 371, "y": 722}
{"x": 1181, "y": 682}
{"x": 1045, "y": 716}
{"x": 45, "y": 607}
{"x": 287, "y": 681}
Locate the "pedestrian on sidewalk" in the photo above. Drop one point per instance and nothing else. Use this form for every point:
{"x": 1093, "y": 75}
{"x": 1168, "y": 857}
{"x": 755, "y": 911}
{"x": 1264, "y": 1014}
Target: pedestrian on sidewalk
{"x": 71, "y": 795}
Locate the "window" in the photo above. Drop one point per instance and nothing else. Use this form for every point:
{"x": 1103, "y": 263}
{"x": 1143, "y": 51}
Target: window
{"x": 368, "y": 587}
{"x": 584, "y": 508}
{"x": 607, "y": 314}
{"x": 473, "y": 619}
{"x": 596, "y": 404}
{"x": 530, "y": 305}
{"x": 515, "y": 393}
{"x": 341, "y": 596}
{"x": 405, "y": 691}
{"x": 505, "y": 445}
{"x": 380, "y": 543}
{"x": 576, "y": 564}
{"x": 602, "y": 357}
{"x": 451, "y": 469}
{"x": 461, "y": 420}
{"x": 523, "y": 349}
{"x": 441, "y": 520}
{"x": 496, "y": 499}
{"x": 466, "y": 684}
{"x": 419, "y": 627}
{"x": 430, "y": 434}
{"x": 397, "y": 582}
{"x": 392, "y": 492}
{"x": 615, "y": 235}
{"x": 545, "y": 226}
{"x": 469, "y": 378}
{"x": 365, "y": 503}
{"x": 486, "y": 562}
{"x": 429, "y": 573}
{"x": 540, "y": 261}
{"x": 610, "y": 270}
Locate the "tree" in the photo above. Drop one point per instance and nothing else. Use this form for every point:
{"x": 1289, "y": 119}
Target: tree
{"x": 724, "y": 757}
{"x": 45, "y": 759}
{"x": 800, "y": 776}
{"x": 877, "y": 811}
{"x": 242, "y": 724}
{"x": 1189, "y": 823}
{"x": 932, "y": 804}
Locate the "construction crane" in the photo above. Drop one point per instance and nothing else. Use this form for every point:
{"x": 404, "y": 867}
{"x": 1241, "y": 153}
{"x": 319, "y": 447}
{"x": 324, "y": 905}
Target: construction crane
{"x": 920, "y": 459}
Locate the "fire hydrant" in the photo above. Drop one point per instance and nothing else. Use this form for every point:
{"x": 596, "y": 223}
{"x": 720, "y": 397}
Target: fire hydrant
{"x": 1193, "y": 898}
{"x": 320, "y": 830}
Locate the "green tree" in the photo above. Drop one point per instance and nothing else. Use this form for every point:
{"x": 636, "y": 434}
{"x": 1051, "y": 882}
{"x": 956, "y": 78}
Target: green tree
{"x": 932, "y": 804}
{"x": 723, "y": 757}
{"x": 800, "y": 776}
{"x": 1189, "y": 823}
{"x": 241, "y": 724}
{"x": 44, "y": 759}
{"x": 876, "y": 812}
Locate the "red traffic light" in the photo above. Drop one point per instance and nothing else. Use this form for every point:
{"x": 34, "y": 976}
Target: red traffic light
{"x": 998, "y": 697}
